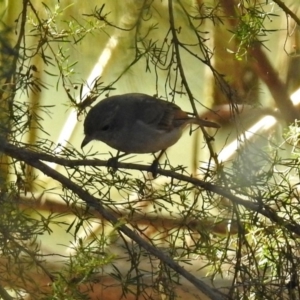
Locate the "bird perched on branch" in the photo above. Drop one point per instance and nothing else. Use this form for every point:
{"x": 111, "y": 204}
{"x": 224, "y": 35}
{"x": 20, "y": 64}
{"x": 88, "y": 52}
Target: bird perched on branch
{"x": 138, "y": 123}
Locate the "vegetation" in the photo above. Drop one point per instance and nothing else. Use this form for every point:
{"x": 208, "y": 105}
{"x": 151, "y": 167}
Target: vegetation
{"x": 227, "y": 228}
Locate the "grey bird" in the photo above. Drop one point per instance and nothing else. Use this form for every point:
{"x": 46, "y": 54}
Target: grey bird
{"x": 138, "y": 123}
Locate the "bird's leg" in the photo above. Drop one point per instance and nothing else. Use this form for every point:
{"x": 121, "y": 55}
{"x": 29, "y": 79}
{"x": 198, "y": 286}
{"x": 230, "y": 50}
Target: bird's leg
{"x": 154, "y": 166}
{"x": 113, "y": 161}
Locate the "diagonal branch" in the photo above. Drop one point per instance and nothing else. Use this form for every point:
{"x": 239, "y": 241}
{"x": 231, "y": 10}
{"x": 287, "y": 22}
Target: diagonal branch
{"x": 32, "y": 159}
{"x": 258, "y": 206}
{"x": 263, "y": 67}
{"x": 287, "y": 11}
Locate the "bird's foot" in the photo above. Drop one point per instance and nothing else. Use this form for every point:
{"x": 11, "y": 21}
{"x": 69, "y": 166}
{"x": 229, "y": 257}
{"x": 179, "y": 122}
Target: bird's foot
{"x": 112, "y": 164}
{"x": 153, "y": 168}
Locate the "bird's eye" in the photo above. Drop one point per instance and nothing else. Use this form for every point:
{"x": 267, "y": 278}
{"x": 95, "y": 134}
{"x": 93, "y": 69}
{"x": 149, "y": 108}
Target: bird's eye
{"x": 105, "y": 127}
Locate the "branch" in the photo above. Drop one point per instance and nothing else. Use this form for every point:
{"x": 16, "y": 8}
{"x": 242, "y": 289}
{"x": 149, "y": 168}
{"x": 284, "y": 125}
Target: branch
{"x": 287, "y": 11}
{"x": 264, "y": 69}
{"x": 10, "y": 81}
{"x": 31, "y": 158}
{"x": 176, "y": 43}
{"x": 137, "y": 217}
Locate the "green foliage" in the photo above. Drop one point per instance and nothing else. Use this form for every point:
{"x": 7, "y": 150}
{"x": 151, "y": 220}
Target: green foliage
{"x": 251, "y": 26}
{"x": 69, "y": 235}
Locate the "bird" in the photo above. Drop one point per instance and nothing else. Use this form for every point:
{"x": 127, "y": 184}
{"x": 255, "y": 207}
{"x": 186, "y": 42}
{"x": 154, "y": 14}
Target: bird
{"x": 138, "y": 123}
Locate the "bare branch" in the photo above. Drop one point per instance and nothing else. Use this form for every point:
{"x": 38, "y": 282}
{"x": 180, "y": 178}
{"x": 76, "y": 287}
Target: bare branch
{"x": 32, "y": 160}
{"x": 287, "y": 11}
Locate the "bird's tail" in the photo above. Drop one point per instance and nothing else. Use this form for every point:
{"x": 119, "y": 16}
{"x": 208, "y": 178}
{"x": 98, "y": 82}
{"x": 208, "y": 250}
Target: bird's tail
{"x": 205, "y": 123}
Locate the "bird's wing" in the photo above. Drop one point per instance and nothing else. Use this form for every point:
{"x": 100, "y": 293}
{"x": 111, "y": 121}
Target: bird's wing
{"x": 160, "y": 114}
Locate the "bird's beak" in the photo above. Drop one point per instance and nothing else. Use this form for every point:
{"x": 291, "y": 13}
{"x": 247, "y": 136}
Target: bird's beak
{"x": 85, "y": 141}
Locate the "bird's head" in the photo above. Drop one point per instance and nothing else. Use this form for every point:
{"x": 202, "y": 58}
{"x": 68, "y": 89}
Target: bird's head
{"x": 99, "y": 123}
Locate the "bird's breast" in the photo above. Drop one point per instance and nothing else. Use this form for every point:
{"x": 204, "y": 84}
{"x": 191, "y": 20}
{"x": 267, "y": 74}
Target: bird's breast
{"x": 144, "y": 138}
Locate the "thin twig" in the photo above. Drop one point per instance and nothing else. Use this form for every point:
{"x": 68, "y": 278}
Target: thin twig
{"x": 258, "y": 207}
{"x": 32, "y": 160}
{"x": 287, "y": 11}
{"x": 185, "y": 83}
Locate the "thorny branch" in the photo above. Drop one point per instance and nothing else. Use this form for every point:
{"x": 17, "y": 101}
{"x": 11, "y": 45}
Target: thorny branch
{"x": 31, "y": 157}
{"x": 33, "y": 160}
